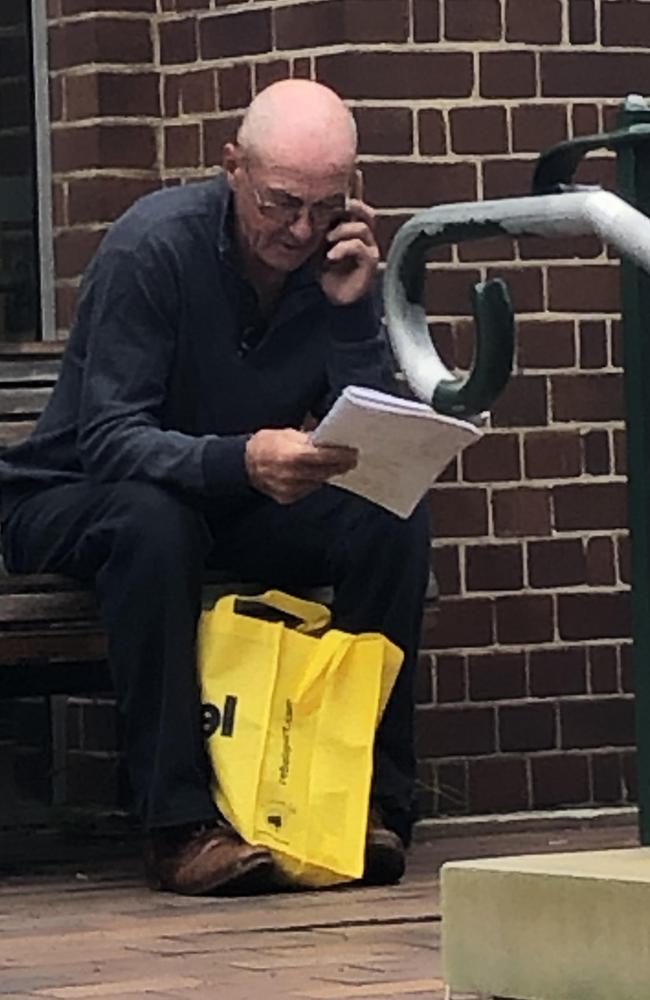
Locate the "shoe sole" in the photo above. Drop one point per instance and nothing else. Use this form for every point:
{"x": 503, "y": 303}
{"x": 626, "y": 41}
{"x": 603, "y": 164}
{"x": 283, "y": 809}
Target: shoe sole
{"x": 256, "y": 880}
{"x": 244, "y": 877}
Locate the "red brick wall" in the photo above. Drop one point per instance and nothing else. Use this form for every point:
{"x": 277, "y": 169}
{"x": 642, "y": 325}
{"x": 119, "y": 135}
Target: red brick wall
{"x": 525, "y": 681}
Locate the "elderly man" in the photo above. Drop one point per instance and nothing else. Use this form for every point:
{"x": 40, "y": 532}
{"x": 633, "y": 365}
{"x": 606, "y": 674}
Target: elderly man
{"x": 213, "y": 320}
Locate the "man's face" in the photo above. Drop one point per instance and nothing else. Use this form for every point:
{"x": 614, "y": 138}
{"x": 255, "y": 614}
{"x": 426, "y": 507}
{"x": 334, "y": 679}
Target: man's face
{"x": 284, "y": 212}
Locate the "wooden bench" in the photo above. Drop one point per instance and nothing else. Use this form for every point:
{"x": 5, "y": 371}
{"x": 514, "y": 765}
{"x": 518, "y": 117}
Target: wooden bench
{"x": 51, "y": 640}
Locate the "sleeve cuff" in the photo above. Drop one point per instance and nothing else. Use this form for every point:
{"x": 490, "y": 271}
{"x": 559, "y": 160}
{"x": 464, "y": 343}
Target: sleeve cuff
{"x": 224, "y": 465}
{"x": 358, "y": 321}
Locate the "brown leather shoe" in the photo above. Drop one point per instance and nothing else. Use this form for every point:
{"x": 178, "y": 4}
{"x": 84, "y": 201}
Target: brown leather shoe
{"x": 202, "y": 859}
{"x": 385, "y": 854}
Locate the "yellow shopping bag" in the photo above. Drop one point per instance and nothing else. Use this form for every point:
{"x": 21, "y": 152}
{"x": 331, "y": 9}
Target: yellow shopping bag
{"x": 290, "y": 715}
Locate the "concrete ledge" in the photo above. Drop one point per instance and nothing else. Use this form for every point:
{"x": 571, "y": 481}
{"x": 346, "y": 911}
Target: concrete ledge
{"x": 524, "y": 822}
{"x": 549, "y": 927}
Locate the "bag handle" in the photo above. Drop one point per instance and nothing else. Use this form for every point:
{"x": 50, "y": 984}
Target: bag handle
{"x": 331, "y": 649}
{"x": 312, "y": 616}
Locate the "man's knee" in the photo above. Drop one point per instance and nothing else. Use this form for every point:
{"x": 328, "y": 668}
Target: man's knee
{"x": 156, "y": 521}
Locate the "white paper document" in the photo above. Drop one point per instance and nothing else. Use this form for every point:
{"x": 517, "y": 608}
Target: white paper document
{"x": 403, "y": 445}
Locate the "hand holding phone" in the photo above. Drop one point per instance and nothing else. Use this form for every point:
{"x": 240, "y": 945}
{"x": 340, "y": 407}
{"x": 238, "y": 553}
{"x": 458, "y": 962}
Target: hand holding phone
{"x": 351, "y": 253}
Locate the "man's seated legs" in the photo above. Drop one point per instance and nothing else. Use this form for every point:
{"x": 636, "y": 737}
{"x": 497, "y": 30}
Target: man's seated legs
{"x": 146, "y": 549}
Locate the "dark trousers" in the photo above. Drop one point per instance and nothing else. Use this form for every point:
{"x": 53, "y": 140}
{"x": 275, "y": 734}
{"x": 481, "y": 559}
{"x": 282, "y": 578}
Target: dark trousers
{"x": 146, "y": 549}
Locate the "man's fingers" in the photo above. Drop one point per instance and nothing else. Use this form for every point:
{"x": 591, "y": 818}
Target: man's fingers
{"x": 328, "y": 457}
{"x": 358, "y": 211}
{"x": 353, "y": 248}
{"x": 352, "y": 230}
{"x": 323, "y": 454}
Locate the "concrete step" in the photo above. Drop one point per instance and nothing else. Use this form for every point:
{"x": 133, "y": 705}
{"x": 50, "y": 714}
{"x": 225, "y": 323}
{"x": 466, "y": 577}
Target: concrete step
{"x": 549, "y": 927}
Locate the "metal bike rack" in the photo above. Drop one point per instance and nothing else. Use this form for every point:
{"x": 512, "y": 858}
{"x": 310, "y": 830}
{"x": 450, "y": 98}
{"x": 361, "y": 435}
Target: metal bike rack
{"x": 575, "y": 213}
{"x": 559, "y": 208}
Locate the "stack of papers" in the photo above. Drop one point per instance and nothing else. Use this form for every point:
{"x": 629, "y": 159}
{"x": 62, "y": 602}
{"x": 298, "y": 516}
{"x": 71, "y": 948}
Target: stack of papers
{"x": 403, "y": 445}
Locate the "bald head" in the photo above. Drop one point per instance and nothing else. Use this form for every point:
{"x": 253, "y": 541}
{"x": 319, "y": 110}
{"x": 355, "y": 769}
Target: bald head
{"x": 299, "y": 122}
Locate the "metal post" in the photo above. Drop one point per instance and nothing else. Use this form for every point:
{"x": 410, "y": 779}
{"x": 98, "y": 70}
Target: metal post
{"x": 634, "y": 185}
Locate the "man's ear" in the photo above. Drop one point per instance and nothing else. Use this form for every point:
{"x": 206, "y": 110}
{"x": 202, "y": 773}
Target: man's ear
{"x": 230, "y": 160}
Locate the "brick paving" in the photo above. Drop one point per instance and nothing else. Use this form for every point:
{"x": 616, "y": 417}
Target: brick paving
{"x": 91, "y": 930}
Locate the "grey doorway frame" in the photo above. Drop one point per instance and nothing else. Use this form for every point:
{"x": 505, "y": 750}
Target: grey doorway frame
{"x": 43, "y": 169}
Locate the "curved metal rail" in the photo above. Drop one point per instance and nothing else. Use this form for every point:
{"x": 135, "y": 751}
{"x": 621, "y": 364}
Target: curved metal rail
{"x": 576, "y": 213}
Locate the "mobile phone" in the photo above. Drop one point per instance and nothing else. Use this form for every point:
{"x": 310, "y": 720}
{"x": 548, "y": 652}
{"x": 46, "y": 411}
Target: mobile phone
{"x": 344, "y": 216}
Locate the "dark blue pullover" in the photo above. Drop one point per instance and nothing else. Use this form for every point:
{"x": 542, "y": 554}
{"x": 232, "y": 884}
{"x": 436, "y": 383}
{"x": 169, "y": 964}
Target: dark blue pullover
{"x": 170, "y": 367}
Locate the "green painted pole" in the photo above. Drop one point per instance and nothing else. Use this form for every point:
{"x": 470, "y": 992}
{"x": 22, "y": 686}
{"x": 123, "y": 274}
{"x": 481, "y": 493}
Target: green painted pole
{"x": 633, "y": 166}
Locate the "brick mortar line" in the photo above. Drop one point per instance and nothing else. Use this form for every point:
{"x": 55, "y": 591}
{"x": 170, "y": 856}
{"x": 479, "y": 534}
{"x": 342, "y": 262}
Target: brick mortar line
{"x": 612, "y": 424}
{"x": 521, "y": 315}
{"x": 570, "y": 535}
{"x": 410, "y": 13}
{"x": 110, "y": 120}
{"x": 598, "y": 24}
{"x": 565, "y": 29}
{"x": 528, "y": 699}
{"x": 107, "y": 173}
{"x": 524, "y": 264}
{"x": 155, "y": 65}
{"x": 524, "y": 755}
{"x": 409, "y": 103}
{"x": 245, "y": 6}
{"x": 550, "y": 482}
{"x": 584, "y": 479}
{"x": 102, "y": 15}
{"x": 551, "y": 591}
{"x": 497, "y": 594}
{"x": 93, "y": 68}
{"x": 125, "y": 69}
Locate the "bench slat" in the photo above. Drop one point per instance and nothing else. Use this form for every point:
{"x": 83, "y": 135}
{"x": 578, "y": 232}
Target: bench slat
{"x": 51, "y": 645}
{"x": 37, "y": 370}
{"x": 33, "y": 348}
{"x": 70, "y": 606}
{"x": 14, "y": 431}
{"x": 37, "y": 583}
{"x": 30, "y": 401}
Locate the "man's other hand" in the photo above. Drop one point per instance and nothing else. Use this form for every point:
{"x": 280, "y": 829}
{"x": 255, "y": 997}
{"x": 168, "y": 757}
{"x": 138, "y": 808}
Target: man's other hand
{"x": 285, "y": 465}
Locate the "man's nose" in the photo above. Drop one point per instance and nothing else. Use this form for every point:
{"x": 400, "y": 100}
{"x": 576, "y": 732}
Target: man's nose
{"x": 302, "y": 228}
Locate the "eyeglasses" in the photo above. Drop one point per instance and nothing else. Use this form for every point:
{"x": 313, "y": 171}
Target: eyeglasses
{"x": 285, "y": 209}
